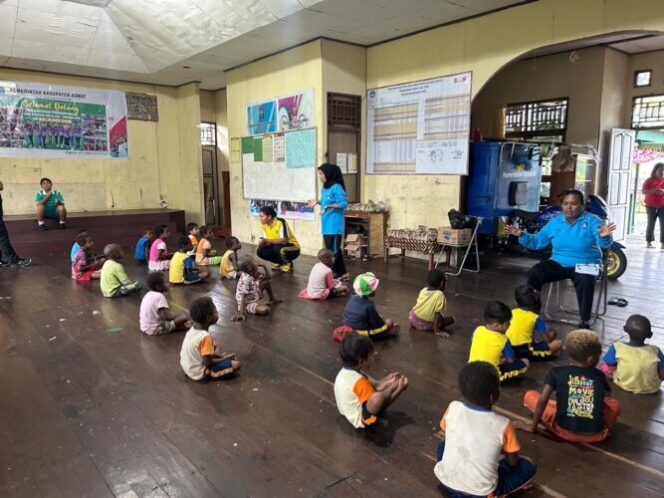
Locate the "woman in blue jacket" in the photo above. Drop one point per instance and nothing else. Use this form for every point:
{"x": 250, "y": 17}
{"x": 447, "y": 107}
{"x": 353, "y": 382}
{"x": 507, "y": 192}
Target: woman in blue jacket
{"x": 333, "y": 202}
{"x": 577, "y": 239}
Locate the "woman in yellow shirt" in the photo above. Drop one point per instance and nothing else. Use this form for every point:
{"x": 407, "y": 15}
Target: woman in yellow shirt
{"x": 279, "y": 245}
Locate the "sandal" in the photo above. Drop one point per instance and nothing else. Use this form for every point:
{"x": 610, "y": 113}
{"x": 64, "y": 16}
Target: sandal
{"x": 618, "y": 301}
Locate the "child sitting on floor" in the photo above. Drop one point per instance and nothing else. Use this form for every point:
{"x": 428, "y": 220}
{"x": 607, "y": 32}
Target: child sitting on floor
{"x": 358, "y": 398}
{"x": 76, "y": 246}
{"x": 490, "y": 344}
{"x": 205, "y": 255}
{"x": 155, "y": 316}
{"x": 199, "y": 358}
{"x": 84, "y": 266}
{"x": 322, "y": 283}
{"x": 360, "y": 314}
{"x": 182, "y": 269}
{"x": 582, "y": 412}
{"x": 160, "y": 260}
{"x": 194, "y": 232}
{"x": 228, "y": 268}
{"x": 480, "y": 453}
{"x": 427, "y": 314}
{"x": 635, "y": 366}
{"x": 254, "y": 278}
{"x": 142, "y": 252}
{"x": 528, "y": 334}
{"x": 114, "y": 281}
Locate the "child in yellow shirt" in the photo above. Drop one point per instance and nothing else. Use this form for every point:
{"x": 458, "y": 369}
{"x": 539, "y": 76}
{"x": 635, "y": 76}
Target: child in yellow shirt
{"x": 228, "y": 268}
{"x": 427, "y": 314}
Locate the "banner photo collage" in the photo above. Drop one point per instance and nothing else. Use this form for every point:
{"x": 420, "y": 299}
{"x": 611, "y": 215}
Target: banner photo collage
{"x": 292, "y": 112}
{"x": 40, "y": 120}
{"x": 284, "y": 209}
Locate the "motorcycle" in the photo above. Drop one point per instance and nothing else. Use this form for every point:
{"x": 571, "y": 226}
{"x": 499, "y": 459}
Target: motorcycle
{"x": 532, "y": 222}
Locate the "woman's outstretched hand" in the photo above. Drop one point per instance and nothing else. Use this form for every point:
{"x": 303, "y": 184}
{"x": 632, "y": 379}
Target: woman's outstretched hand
{"x": 606, "y": 230}
{"x": 512, "y": 230}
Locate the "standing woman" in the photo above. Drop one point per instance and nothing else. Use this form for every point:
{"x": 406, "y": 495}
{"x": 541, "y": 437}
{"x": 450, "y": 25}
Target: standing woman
{"x": 333, "y": 202}
{"x": 653, "y": 188}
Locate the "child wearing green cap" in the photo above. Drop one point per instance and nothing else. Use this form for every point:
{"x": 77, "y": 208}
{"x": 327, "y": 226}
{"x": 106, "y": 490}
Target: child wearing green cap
{"x": 360, "y": 314}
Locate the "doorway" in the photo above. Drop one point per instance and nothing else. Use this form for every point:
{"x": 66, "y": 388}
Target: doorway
{"x": 212, "y": 199}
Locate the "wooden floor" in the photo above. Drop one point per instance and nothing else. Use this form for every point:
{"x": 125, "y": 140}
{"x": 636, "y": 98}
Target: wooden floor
{"x": 90, "y": 407}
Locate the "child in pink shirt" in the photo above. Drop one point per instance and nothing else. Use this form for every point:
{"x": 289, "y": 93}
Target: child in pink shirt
{"x": 322, "y": 283}
{"x": 160, "y": 260}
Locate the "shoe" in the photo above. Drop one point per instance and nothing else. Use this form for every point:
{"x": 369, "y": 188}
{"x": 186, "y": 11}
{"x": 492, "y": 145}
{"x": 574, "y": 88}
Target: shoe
{"x": 276, "y": 267}
{"x": 584, "y": 325}
{"x": 4, "y": 264}
{"x": 62, "y": 226}
{"x": 23, "y": 262}
{"x": 286, "y": 268}
{"x": 41, "y": 227}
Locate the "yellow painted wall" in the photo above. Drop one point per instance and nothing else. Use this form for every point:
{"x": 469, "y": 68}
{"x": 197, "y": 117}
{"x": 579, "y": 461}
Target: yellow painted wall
{"x": 221, "y": 118}
{"x": 152, "y": 172}
{"x": 208, "y": 106}
{"x": 295, "y": 70}
{"x": 650, "y": 60}
{"x": 483, "y": 45}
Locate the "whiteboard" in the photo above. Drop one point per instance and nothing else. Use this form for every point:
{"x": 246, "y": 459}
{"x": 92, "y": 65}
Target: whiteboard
{"x": 421, "y": 127}
{"x": 268, "y": 173}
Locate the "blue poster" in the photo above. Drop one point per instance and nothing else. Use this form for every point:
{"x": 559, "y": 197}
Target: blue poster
{"x": 301, "y": 148}
{"x": 262, "y": 118}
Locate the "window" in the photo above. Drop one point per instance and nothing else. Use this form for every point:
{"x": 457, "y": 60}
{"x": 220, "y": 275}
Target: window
{"x": 208, "y": 134}
{"x": 544, "y": 120}
{"x": 648, "y": 112}
{"x": 642, "y": 78}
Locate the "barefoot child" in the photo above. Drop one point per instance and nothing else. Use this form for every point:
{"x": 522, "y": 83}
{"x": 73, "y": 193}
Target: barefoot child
{"x": 480, "y": 453}
{"x": 358, "y": 398}
{"x": 160, "y": 260}
{"x": 76, "y": 246}
{"x": 528, "y": 334}
{"x": 254, "y": 278}
{"x": 228, "y": 268}
{"x": 84, "y": 266}
{"x": 142, "y": 252}
{"x": 322, "y": 283}
{"x": 635, "y": 366}
{"x": 427, "y": 314}
{"x": 182, "y": 269}
{"x": 205, "y": 255}
{"x": 114, "y": 281}
{"x": 583, "y": 411}
{"x": 155, "y": 316}
{"x": 490, "y": 344}
{"x": 194, "y": 232}
{"x": 360, "y": 314}
{"x": 199, "y": 358}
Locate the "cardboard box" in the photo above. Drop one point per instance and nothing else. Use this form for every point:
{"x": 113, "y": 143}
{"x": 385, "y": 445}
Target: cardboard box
{"x": 448, "y": 235}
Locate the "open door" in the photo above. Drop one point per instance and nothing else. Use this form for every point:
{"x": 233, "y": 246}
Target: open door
{"x": 620, "y": 162}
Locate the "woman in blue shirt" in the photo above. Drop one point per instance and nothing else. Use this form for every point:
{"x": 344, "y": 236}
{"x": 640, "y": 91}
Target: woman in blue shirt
{"x": 333, "y": 202}
{"x": 577, "y": 238}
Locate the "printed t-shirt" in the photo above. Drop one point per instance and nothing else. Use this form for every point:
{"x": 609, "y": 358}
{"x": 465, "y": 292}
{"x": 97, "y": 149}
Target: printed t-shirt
{"x": 522, "y": 326}
{"x": 637, "y": 367}
{"x": 80, "y": 260}
{"x": 196, "y": 344}
{"x": 249, "y": 287}
{"x": 74, "y": 250}
{"x": 579, "y": 398}
{"x": 351, "y": 390}
{"x": 320, "y": 280}
{"x": 488, "y": 345}
{"x": 52, "y": 203}
{"x": 429, "y": 302}
{"x": 654, "y": 200}
{"x": 280, "y": 229}
{"x": 475, "y": 439}
{"x": 361, "y": 314}
{"x": 112, "y": 276}
{"x": 149, "y": 314}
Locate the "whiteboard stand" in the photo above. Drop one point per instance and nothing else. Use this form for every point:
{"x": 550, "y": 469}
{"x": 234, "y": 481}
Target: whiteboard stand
{"x": 472, "y": 245}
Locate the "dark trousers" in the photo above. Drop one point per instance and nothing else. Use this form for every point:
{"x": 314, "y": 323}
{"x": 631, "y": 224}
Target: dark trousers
{"x": 335, "y": 244}
{"x": 279, "y": 254}
{"x": 6, "y": 248}
{"x": 510, "y": 479}
{"x": 550, "y": 271}
{"x": 653, "y": 215}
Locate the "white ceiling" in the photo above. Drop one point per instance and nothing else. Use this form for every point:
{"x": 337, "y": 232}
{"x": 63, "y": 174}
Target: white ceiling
{"x": 172, "y": 42}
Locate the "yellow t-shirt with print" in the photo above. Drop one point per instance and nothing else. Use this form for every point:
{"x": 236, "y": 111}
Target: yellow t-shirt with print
{"x": 487, "y": 346}
{"x": 521, "y": 327}
{"x": 429, "y": 302}
{"x": 280, "y": 229}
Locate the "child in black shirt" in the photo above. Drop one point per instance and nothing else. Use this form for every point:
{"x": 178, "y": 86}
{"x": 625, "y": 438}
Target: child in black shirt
{"x": 582, "y": 412}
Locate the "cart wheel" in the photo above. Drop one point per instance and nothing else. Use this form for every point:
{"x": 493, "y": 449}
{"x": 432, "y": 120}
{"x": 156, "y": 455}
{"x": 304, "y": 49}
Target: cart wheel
{"x": 616, "y": 263}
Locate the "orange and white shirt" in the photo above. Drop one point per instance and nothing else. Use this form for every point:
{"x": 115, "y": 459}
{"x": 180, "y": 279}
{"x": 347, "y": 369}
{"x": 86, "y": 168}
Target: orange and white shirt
{"x": 475, "y": 439}
{"x": 203, "y": 246}
{"x": 351, "y": 390}
{"x": 196, "y": 344}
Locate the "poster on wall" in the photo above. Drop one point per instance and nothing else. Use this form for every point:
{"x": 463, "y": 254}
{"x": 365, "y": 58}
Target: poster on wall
{"x": 262, "y": 118}
{"x": 284, "y": 209}
{"x": 422, "y": 127}
{"x": 40, "y": 120}
{"x": 289, "y": 112}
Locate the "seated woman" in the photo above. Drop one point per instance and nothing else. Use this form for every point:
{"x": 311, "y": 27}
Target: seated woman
{"x": 50, "y": 205}
{"x": 279, "y": 245}
{"x": 577, "y": 239}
